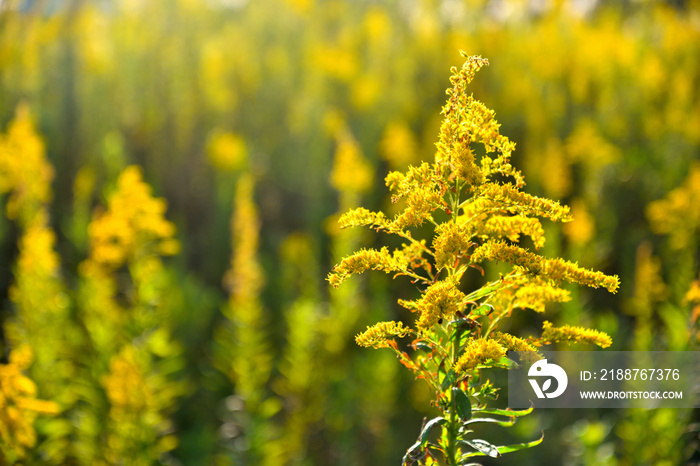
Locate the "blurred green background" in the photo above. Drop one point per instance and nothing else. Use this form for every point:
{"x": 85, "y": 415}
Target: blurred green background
{"x": 259, "y": 122}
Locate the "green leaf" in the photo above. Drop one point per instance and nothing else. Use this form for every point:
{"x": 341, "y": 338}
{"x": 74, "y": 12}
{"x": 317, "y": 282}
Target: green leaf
{"x": 483, "y": 310}
{"x": 490, "y": 420}
{"x": 506, "y": 412}
{"x": 446, "y": 379}
{"x": 520, "y": 446}
{"x": 484, "y": 290}
{"x": 411, "y": 454}
{"x": 461, "y": 404}
{"x": 483, "y": 447}
{"x": 425, "y": 434}
{"x": 501, "y": 450}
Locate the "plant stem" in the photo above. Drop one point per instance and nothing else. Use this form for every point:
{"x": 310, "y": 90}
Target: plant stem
{"x": 451, "y": 450}
{"x": 453, "y": 427}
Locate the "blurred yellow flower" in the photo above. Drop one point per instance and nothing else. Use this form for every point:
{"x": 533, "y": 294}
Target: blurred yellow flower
{"x": 24, "y": 169}
{"x": 226, "y": 151}
{"x": 133, "y": 220}
{"x": 351, "y": 171}
{"x": 335, "y": 61}
{"x": 398, "y": 145}
{"x": 377, "y": 24}
{"x": 582, "y": 228}
{"x": 19, "y": 406}
{"x": 365, "y": 91}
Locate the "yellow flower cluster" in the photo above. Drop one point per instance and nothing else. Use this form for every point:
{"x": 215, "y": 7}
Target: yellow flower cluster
{"x": 508, "y": 198}
{"x": 361, "y": 261}
{"x": 557, "y": 270}
{"x": 452, "y": 240}
{"x": 24, "y": 169}
{"x": 467, "y": 121}
{"x": 535, "y": 294}
{"x": 382, "y": 334}
{"x": 403, "y": 261}
{"x": 511, "y": 227}
{"x": 422, "y": 189}
{"x": 479, "y": 352}
{"x": 133, "y": 221}
{"x": 572, "y": 334}
{"x": 528, "y": 292}
{"x": 19, "y": 406}
{"x": 440, "y": 300}
{"x": 513, "y": 343}
{"x": 360, "y": 217}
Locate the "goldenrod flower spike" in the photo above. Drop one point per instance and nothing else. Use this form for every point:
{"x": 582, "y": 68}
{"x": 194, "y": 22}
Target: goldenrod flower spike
{"x": 362, "y": 217}
{"x": 361, "y": 261}
{"x": 473, "y": 212}
{"x": 479, "y": 352}
{"x": 513, "y": 343}
{"x": 382, "y": 334}
{"x": 557, "y": 270}
{"x": 571, "y": 334}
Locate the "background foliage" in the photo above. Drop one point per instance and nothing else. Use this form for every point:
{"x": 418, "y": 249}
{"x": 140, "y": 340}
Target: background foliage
{"x": 177, "y": 312}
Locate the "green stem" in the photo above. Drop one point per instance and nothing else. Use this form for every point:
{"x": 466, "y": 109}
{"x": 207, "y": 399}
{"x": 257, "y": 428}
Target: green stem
{"x": 451, "y": 450}
{"x": 453, "y": 426}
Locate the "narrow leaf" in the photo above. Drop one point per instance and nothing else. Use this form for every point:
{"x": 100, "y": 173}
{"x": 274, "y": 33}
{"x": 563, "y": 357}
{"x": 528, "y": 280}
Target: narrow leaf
{"x": 505, "y": 412}
{"x": 461, "y": 404}
{"x": 490, "y": 420}
{"x": 501, "y": 450}
{"x": 482, "y": 446}
{"x": 425, "y": 434}
{"x": 411, "y": 454}
{"x": 445, "y": 378}
{"x": 520, "y": 446}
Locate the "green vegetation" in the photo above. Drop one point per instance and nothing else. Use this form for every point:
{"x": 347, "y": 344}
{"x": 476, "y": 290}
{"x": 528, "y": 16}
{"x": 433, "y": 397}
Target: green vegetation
{"x": 172, "y": 173}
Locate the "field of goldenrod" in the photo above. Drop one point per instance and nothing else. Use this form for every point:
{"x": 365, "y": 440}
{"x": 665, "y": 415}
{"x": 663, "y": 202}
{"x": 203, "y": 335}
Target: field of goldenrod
{"x": 171, "y": 177}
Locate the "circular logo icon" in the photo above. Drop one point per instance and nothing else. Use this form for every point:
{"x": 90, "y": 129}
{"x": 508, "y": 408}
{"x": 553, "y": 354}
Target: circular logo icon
{"x": 550, "y": 370}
